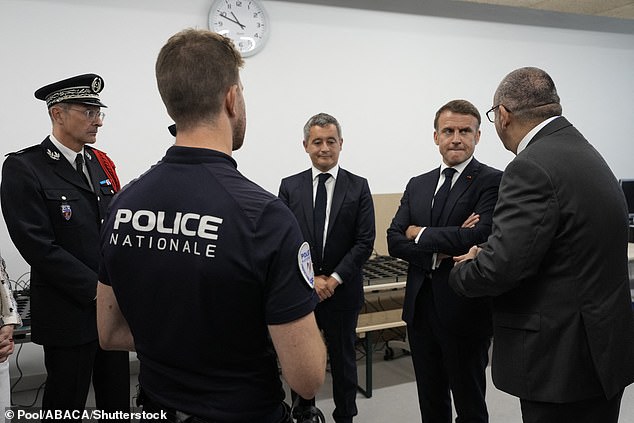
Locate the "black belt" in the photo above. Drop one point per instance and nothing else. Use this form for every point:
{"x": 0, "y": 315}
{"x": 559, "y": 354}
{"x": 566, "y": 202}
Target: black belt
{"x": 177, "y": 416}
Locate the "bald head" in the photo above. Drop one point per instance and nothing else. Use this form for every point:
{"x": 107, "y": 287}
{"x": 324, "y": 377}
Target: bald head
{"x": 530, "y": 94}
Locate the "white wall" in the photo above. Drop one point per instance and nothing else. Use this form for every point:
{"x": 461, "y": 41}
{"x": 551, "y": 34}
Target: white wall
{"x": 383, "y": 75}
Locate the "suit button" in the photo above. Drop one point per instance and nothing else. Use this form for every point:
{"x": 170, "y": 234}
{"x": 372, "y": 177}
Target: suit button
{"x": 98, "y": 198}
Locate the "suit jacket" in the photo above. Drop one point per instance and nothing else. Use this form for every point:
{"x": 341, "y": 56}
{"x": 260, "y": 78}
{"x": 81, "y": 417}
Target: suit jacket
{"x": 54, "y": 220}
{"x": 475, "y": 191}
{"x": 557, "y": 262}
{"x": 350, "y": 233}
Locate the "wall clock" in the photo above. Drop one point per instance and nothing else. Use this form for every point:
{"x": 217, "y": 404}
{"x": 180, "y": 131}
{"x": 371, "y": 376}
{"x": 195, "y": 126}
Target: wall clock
{"x": 245, "y": 22}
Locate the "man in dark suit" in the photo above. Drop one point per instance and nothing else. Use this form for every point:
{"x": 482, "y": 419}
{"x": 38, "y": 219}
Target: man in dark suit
{"x": 442, "y": 213}
{"x": 54, "y": 198}
{"x": 556, "y": 262}
{"x": 341, "y": 242}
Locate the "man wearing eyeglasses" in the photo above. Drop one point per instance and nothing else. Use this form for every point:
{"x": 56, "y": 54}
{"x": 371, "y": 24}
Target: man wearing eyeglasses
{"x": 54, "y": 198}
{"x": 555, "y": 264}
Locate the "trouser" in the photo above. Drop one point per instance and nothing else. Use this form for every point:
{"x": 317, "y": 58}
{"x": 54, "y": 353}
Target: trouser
{"x": 70, "y": 371}
{"x": 447, "y": 365}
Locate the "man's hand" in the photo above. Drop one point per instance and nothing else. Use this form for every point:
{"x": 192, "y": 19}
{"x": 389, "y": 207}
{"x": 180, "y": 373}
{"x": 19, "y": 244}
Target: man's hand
{"x": 6, "y": 342}
{"x": 412, "y": 232}
{"x": 471, "y": 221}
{"x": 473, "y": 251}
{"x": 325, "y": 286}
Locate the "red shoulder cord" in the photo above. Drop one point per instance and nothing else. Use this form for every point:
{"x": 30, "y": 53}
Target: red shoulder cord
{"x": 108, "y": 167}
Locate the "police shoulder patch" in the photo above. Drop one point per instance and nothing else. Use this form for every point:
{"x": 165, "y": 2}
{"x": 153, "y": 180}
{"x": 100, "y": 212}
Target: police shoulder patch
{"x": 305, "y": 263}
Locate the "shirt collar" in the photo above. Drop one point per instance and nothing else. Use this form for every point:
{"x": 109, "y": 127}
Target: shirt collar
{"x": 196, "y": 155}
{"x": 459, "y": 167}
{"x": 333, "y": 172}
{"x": 67, "y": 152}
{"x": 528, "y": 137}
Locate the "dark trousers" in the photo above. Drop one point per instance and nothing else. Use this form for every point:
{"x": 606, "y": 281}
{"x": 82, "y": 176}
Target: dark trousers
{"x": 70, "y": 370}
{"x": 445, "y": 362}
{"x": 339, "y": 331}
{"x": 592, "y": 410}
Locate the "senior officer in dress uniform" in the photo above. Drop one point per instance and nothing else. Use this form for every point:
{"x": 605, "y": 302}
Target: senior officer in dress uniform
{"x": 54, "y": 198}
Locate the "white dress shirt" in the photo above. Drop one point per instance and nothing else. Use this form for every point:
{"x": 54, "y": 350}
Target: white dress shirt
{"x": 528, "y": 137}
{"x": 71, "y": 155}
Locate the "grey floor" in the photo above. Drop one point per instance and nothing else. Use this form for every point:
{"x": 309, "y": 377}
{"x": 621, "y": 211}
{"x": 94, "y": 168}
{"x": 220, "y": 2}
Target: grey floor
{"x": 394, "y": 396}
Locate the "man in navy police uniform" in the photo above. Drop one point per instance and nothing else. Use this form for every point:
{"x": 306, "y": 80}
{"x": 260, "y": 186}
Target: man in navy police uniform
{"x": 54, "y": 198}
{"x": 205, "y": 274}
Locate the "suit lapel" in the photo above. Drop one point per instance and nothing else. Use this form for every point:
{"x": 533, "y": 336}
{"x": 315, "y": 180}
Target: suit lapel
{"x": 427, "y": 195}
{"x": 465, "y": 179}
{"x": 61, "y": 166}
{"x": 341, "y": 187}
{"x": 306, "y": 193}
{"x": 97, "y": 174}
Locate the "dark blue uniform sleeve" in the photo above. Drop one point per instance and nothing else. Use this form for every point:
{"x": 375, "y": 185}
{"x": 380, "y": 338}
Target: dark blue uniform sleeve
{"x": 289, "y": 296}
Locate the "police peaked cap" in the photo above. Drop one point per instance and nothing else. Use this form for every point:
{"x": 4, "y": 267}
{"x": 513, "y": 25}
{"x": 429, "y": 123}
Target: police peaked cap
{"x": 83, "y": 89}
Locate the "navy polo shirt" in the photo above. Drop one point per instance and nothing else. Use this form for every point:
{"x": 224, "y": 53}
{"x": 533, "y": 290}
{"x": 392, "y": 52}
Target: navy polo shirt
{"x": 201, "y": 260}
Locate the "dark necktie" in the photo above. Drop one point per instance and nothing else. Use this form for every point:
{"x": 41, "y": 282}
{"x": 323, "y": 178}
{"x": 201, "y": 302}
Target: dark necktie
{"x": 441, "y": 196}
{"x": 319, "y": 214}
{"x": 79, "y": 167}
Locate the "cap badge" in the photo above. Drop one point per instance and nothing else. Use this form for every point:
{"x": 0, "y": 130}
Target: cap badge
{"x": 52, "y": 154}
{"x": 97, "y": 84}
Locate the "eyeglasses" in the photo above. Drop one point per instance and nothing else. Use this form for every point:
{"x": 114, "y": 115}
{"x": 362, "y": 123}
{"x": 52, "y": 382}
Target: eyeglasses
{"x": 491, "y": 112}
{"x": 91, "y": 114}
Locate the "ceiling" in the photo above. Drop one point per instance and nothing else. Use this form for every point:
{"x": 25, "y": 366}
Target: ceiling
{"x": 615, "y": 16}
{"x": 623, "y": 9}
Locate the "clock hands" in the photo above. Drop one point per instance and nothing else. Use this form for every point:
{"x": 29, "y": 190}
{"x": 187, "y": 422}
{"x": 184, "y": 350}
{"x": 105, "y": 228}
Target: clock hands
{"x": 234, "y": 20}
{"x": 237, "y": 21}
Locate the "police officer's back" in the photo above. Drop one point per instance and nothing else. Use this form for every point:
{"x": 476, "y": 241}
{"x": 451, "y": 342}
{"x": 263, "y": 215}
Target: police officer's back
{"x": 205, "y": 274}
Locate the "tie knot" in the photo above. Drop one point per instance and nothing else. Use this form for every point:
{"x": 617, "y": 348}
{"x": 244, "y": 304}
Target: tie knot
{"x": 79, "y": 159}
{"x": 323, "y": 177}
{"x": 449, "y": 172}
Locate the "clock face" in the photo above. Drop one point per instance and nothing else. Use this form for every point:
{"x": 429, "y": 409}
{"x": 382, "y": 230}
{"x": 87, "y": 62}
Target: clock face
{"x": 243, "y": 21}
